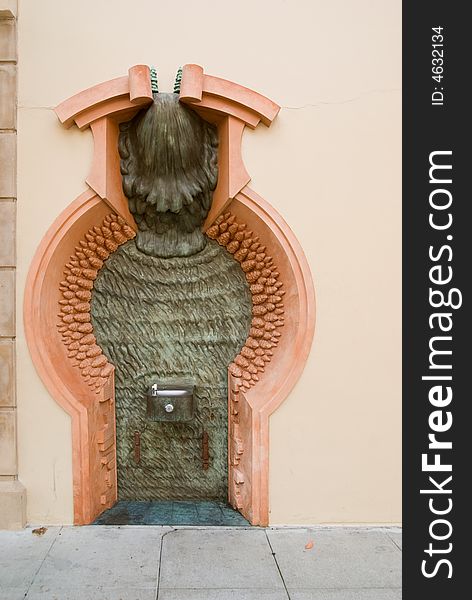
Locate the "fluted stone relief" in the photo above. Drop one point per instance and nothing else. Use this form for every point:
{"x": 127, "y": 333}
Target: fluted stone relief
{"x": 169, "y": 169}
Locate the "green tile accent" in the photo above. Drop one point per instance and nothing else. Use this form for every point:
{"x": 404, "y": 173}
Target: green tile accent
{"x": 171, "y": 512}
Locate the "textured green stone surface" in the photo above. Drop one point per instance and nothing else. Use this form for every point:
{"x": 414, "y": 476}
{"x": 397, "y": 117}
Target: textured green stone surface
{"x": 170, "y": 305}
{"x": 162, "y": 512}
{"x": 170, "y": 319}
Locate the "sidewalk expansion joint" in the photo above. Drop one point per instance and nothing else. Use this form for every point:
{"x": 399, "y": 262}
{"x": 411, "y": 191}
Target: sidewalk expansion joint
{"x": 42, "y": 562}
{"x": 172, "y": 530}
{"x": 277, "y": 564}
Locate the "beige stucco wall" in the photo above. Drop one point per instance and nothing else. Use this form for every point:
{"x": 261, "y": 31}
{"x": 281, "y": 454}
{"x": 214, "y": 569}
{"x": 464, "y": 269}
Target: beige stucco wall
{"x": 330, "y": 164}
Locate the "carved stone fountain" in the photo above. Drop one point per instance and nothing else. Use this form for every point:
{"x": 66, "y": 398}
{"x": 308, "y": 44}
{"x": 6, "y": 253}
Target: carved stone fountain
{"x": 170, "y": 308}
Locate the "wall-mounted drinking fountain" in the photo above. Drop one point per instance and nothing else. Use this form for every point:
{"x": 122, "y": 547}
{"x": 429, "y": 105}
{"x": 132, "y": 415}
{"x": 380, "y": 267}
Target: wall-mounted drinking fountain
{"x": 170, "y": 402}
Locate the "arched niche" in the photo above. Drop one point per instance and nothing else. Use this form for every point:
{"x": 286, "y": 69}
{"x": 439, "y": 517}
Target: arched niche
{"x": 90, "y": 402}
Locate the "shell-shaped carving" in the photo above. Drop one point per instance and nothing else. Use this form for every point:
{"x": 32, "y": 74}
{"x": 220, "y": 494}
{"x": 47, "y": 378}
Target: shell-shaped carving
{"x": 74, "y": 317}
{"x": 267, "y": 306}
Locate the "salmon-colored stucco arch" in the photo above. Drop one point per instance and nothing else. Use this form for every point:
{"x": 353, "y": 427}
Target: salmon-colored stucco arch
{"x": 231, "y": 107}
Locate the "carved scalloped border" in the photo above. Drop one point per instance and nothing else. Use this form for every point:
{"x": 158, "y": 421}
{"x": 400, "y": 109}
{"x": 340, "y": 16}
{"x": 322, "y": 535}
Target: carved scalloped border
{"x": 74, "y": 317}
{"x": 266, "y": 292}
{"x": 99, "y": 242}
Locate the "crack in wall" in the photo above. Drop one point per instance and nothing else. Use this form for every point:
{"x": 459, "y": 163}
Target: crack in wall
{"x": 320, "y": 103}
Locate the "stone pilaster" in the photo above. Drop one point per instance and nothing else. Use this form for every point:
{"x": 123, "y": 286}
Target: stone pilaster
{"x": 12, "y": 492}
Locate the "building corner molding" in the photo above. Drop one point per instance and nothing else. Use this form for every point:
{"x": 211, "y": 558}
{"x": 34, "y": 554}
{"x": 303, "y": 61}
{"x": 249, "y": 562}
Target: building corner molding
{"x": 12, "y": 491}
{"x": 12, "y": 504}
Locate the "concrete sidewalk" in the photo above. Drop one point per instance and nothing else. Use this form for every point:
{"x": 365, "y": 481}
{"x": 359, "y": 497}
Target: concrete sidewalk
{"x": 212, "y": 563}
